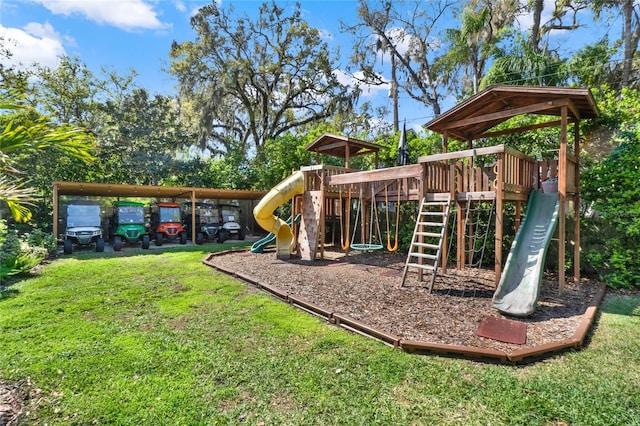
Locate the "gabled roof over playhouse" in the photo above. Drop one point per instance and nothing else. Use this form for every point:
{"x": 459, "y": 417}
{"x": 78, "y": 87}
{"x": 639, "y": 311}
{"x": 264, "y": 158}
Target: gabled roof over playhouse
{"x": 342, "y": 147}
{"x": 472, "y": 118}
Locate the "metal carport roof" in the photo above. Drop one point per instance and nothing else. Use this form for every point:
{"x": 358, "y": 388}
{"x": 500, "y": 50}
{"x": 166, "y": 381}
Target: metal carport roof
{"x": 144, "y": 191}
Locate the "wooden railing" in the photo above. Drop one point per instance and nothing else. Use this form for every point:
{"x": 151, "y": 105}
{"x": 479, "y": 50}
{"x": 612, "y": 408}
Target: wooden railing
{"x": 316, "y": 177}
{"x": 548, "y": 169}
{"x": 510, "y": 171}
{"x": 381, "y": 182}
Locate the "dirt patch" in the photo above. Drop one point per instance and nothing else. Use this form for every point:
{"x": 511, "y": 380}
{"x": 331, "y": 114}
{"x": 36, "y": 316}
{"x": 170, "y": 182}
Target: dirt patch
{"x": 365, "y": 286}
{"x": 11, "y": 403}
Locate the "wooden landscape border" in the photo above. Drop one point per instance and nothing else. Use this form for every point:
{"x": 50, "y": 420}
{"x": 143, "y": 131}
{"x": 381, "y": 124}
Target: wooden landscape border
{"x": 520, "y": 356}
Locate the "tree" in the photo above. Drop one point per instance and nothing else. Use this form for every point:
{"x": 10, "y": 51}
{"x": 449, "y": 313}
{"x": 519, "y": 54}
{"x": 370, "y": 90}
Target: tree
{"x": 563, "y": 9}
{"x": 411, "y": 36}
{"x": 142, "y": 139}
{"x": 630, "y": 10}
{"x": 594, "y": 66}
{"x": 524, "y": 66}
{"x": 612, "y": 187}
{"x": 253, "y": 80}
{"x": 482, "y": 26}
{"x": 27, "y": 133}
{"x": 69, "y": 93}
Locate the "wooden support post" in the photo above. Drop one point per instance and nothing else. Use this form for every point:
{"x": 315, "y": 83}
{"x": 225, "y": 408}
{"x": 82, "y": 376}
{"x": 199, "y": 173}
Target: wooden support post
{"x": 193, "y": 217}
{"x": 499, "y": 219}
{"x": 562, "y": 196}
{"x": 56, "y": 214}
{"x": 323, "y": 213}
{"x": 576, "y": 204}
{"x": 363, "y": 216}
{"x": 518, "y": 215}
{"x": 470, "y": 232}
{"x": 455, "y": 182}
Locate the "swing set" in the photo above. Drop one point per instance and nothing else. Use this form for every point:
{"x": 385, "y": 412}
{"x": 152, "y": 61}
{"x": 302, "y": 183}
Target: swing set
{"x": 375, "y": 239}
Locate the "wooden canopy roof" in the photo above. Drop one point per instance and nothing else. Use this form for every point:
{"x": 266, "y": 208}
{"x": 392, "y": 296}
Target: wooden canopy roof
{"x": 472, "y": 118}
{"x": 115, "y": 190}
{"x": 342, "y": 147}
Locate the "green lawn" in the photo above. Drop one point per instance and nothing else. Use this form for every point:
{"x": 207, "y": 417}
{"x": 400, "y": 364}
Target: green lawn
{"x": 159, "y": 338}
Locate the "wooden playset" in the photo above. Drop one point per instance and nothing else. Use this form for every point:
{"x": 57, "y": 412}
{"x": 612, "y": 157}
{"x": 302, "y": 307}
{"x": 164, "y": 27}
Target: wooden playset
{"x": 324, "y": 196}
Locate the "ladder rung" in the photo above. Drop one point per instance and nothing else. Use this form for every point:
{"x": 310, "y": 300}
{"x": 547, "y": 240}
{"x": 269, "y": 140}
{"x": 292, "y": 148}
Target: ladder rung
{"x": 429, "y": 213}
{"x": 438, "y": 224}
{"x": 424, "y": 255}
{"x": 435, "y": 203}
{"x": 428, "y": 234}
{"x": 425, "y": 245}
{"x": 417, "y": 265}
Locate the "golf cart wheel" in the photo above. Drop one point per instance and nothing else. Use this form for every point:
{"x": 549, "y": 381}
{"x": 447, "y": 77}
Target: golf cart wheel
{"x": 199, "y": 238}
{"x": 241, "y": 234}
{"x": 117, "y": 243}
{"x": 159, "y": 239}
{"x": 222, "y": 236}
{"x": 183, "y": 238}
{"x": 145, "y": 242}
{"x": 100, "y": 245}
{"x": 68, "y": 247}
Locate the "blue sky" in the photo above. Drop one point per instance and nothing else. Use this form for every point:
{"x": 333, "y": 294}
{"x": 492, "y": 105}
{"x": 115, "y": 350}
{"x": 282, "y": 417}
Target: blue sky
{"x": 126, "y": 34}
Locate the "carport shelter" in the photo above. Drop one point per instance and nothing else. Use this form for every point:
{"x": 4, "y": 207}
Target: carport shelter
{"x": 143, "y": 191}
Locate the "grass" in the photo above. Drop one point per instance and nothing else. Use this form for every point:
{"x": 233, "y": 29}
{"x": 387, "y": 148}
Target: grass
{"x": 159, "y": 338}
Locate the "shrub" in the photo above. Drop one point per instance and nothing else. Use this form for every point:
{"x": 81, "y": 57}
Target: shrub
{"x": 613, "y": 189}
{"x": 19, "y": 254}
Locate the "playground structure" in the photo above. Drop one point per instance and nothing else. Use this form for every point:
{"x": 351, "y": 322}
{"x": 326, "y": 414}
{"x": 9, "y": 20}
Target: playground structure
{"x": 323, "y": 194}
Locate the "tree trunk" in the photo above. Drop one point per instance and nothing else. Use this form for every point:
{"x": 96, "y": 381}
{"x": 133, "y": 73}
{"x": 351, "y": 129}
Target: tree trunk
{"x": 631, "y": 35}
{"x": 394, "y": 93}
{"x": 534, "y": 37}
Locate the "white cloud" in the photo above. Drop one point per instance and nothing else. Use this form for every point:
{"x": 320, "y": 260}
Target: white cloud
{"x": 326, "y": 35}
{"x": 35, "y": 43}
{"x": 368, "y": 90}
{"x": 180, "y": 6}
{"x": 128, "y": 15}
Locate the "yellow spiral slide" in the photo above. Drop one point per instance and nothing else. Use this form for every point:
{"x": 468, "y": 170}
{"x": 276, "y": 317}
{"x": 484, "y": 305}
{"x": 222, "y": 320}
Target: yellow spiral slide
{"x": 263, "y": 212}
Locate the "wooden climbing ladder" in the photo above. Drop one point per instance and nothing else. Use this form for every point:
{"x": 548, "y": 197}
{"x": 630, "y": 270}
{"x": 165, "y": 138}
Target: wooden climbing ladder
{"x": 428, "y": 237}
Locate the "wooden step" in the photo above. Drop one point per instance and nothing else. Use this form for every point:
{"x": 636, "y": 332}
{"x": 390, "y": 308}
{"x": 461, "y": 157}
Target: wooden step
{"x": 427, "y": 234}
{"x": 423, "y": 256}
{"x": 438, "y": 224}
{"x": 426, "y": 245}
{"x": 421, "y": 266}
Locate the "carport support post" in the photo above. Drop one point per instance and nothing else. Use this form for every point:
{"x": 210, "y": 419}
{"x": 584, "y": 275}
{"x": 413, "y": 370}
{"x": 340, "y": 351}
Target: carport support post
{"x": 55, "y": 211}
{"x": 193, "y": 217}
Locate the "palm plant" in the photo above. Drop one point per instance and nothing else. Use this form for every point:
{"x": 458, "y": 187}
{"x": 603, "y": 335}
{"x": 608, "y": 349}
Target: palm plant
{"x": 23, "y": 130}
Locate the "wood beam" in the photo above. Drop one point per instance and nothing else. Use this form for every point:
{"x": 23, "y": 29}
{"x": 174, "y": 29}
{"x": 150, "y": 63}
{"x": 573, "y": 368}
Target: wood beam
{"x": 503, "y": 115}
{"x": 331, "y": 146}
{"x": 522, "y": 129}
{"x": 393, "y": 173}
{"x": 461, "y": 154}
